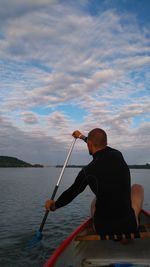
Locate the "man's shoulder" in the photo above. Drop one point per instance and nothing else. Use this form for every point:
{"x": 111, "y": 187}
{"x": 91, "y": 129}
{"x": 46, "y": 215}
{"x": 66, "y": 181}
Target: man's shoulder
{"x": 116, "y": 156}
{"x": 113, "y": 150}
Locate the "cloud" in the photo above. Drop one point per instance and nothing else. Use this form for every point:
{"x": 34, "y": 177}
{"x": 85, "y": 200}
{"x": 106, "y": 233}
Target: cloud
{"x": 60, "y": 125}
{"x": 35, "y": 146}
{"x": 29, "y": 117}
{"x": 55, "y": 54}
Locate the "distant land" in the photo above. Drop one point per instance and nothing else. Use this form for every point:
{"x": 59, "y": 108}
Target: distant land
{"x": 6, "y": 162}
{"x": 146, "y": 166}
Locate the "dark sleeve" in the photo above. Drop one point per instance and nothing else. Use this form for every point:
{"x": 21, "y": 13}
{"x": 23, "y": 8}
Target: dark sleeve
{"x": 75, "y": 189}
{"x": 85, "y": 139}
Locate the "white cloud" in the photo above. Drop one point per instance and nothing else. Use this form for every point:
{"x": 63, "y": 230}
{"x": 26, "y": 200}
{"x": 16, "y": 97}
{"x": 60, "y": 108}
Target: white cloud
{"x": 56, "y": 54}
{"x": 29, "y": 117}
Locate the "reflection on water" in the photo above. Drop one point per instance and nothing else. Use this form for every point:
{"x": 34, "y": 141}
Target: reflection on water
{"x": 22, "y": 196}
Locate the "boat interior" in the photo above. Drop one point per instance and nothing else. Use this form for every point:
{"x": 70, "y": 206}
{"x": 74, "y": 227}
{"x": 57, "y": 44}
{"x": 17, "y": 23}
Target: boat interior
{"x": 131, "y": 250}
{"x": 87, "y": 249}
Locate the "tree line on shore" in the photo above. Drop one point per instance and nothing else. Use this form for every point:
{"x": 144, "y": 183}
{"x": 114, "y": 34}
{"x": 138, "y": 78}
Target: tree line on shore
{"x": 134, "y": 166}
{"x": 6, "y": 161}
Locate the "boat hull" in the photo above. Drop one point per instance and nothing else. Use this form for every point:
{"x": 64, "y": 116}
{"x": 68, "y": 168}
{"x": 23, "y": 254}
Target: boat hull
{"x": 75, "y": 253}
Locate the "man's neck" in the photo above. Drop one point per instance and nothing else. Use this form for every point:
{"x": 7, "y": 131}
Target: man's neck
{"x": 98, "y": 149}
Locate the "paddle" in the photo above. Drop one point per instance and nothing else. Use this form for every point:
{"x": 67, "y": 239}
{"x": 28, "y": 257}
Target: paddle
{"x": 38, "y": 235}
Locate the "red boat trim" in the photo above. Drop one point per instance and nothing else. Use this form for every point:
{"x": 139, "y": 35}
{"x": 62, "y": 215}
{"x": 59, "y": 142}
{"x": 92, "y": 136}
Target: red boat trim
{"x": 51, "y": 261}
{"x": 146, "y": 212}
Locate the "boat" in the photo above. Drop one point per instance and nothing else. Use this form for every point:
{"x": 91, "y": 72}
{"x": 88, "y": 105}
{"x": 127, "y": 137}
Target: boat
{"x": 84, "y": 248}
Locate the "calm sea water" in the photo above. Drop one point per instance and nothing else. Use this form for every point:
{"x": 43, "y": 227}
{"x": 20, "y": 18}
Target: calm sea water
{"x": 23, "y": 192}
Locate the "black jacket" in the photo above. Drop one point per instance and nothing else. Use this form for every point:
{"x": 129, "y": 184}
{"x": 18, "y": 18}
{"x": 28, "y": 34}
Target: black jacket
{"x": 109, "y": 178}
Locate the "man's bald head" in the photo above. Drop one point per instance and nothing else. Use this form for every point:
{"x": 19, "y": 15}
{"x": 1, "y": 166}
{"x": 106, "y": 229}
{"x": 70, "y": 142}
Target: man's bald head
{"x": 98, "y": 137}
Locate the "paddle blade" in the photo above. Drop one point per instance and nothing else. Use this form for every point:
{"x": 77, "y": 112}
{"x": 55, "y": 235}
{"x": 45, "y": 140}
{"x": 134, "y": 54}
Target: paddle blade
{"x": 35, "y": 239}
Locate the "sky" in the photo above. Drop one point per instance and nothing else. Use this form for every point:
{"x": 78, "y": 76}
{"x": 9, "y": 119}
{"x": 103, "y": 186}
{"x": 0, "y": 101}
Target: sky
{"x": 67, "y": 65}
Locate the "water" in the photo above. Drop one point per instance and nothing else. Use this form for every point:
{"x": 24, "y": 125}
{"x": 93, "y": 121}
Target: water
{"x": 23, "y": 192}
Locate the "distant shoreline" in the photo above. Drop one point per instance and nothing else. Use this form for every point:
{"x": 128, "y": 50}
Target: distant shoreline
{"x": 12, "y": 162}
{"x": 146, "y": 166}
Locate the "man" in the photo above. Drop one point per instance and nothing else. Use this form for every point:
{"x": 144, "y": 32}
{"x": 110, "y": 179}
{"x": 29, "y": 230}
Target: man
{"x": 116, "y": 206}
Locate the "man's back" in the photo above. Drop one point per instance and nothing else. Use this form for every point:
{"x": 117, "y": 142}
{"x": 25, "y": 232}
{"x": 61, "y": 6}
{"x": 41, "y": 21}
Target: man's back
{"x": 109, "y": 178}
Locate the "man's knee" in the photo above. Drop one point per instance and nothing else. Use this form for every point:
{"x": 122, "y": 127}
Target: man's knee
{"x": 137, "y": 191}
{"x": 137, "y": 187}
{"x": 137, "y": 197}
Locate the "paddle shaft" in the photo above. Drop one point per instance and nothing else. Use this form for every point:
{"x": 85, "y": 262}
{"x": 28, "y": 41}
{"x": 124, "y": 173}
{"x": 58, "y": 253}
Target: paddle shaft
{"x": 57, "y": 185}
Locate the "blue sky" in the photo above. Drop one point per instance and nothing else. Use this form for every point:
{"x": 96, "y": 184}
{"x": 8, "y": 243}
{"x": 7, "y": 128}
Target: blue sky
{"x": 67, "y": 65}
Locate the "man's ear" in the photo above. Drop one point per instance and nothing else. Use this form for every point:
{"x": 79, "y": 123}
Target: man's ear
{"x": 90, "y": 142}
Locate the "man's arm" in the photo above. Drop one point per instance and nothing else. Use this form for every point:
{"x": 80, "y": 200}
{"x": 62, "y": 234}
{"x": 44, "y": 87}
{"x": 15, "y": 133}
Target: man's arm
{"x": 50, "y": 204}
{"x": 78, "y": 134}
{"x": 67, "y": 196}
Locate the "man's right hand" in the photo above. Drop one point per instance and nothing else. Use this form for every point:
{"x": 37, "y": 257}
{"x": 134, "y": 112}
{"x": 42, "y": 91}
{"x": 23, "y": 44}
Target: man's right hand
{"x": 77, "y": 134}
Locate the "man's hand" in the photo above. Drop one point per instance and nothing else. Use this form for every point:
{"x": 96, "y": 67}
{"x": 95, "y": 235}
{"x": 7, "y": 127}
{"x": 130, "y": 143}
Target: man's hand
{"x": 77, "y": 134}
{"x": 50, "y": 205}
